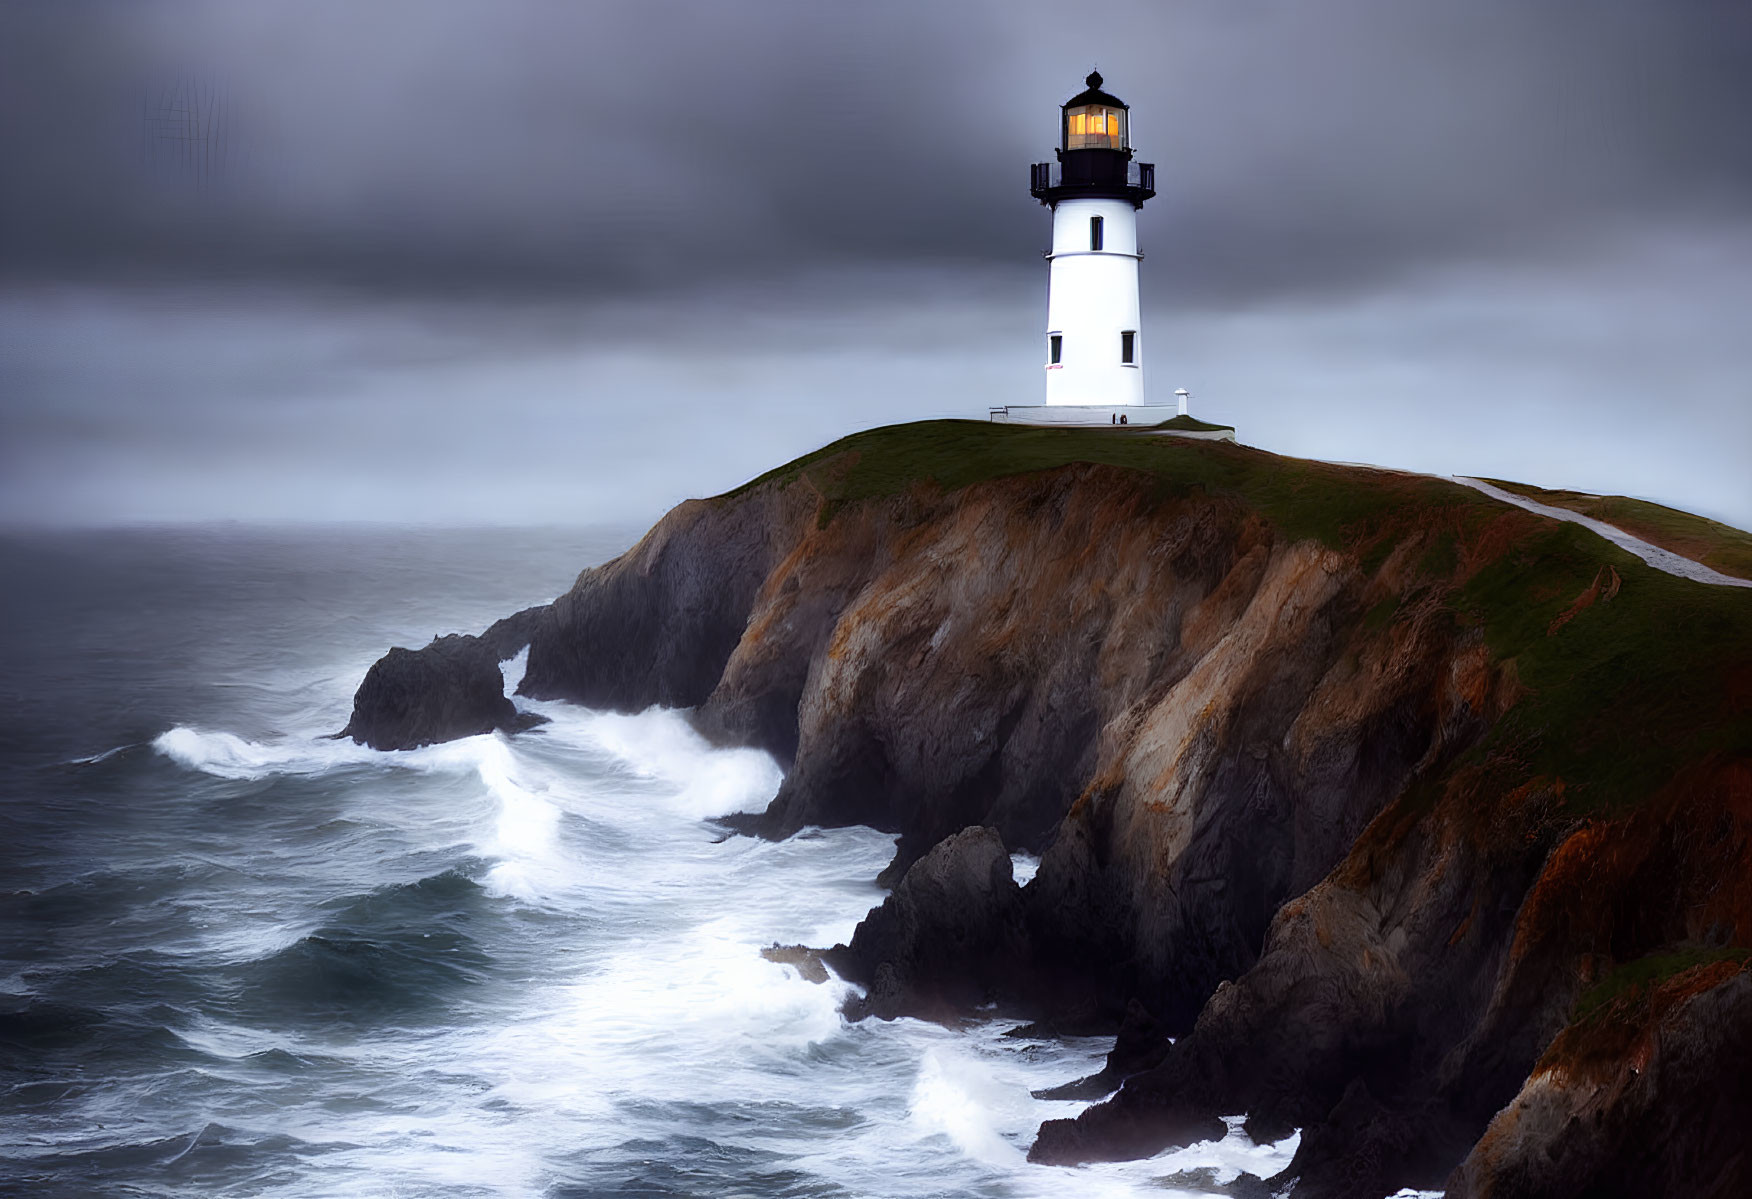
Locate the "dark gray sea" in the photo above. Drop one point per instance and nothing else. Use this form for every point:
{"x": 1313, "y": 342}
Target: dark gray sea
{"x": 237, "y": 958}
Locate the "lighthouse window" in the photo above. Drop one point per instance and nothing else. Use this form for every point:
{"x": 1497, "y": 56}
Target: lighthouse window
{"x": 1095, "y": 232}
{"x": 1128, "y": 347}
{"x": 1093, "y": 127}
{"x": 1055, "y": 345}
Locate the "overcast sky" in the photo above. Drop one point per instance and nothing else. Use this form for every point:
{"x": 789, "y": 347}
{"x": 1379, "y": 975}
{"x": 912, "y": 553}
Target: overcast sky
{"x": 560, "y": 262}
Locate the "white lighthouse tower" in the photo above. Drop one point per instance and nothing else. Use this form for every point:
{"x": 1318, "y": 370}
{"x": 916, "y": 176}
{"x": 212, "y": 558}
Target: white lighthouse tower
{"x": 1094, "y": 341}
{"x": 1094, "y": 351}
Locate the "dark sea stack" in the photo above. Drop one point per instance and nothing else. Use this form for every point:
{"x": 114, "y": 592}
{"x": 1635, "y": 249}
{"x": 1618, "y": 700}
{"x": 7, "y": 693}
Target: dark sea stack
{"x": 949, "y": 938}
{"x": 1145, "y": 1131}
{"x": 1351, "y": 788}
{"x": 452, "y": 688}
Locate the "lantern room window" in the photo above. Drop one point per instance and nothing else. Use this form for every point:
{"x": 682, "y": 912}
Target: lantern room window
{"x": 1095, "y": 127}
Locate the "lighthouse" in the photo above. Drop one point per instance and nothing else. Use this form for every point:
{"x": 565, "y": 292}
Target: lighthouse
{"x": 1094, "y": 347}
{"x": 1094, "y": 339}
{"x": 1094, "y": 344}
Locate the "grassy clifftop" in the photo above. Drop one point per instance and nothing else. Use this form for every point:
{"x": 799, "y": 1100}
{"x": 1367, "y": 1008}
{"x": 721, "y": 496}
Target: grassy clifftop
{"x": 1191, "y": 424}
{"x": 1629, "y": 673}
{"x": 1331, "y": 503}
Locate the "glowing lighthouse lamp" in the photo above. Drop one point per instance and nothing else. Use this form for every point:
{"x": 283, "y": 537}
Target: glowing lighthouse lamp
{"x": 1094, "y": 345}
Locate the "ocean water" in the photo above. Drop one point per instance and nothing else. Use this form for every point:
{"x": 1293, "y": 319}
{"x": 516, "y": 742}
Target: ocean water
{"x": 237, "y": 958}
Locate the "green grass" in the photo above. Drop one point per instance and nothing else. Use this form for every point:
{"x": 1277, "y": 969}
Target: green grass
{"x": 1442, "y": 556}
{"x": 1189, "y": 424}
{"x": 1638, "y": 977}
{"x": 1716, "y": 545}
{"x": 1629, "y": 690}
{"x": 1336, "y": 505}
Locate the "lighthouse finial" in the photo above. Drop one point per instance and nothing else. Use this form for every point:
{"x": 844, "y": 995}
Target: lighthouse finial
{"x": 1093, "y": 79}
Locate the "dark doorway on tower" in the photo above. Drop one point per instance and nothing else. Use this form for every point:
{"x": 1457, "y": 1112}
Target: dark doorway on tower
{"x": 1128, "y": 348}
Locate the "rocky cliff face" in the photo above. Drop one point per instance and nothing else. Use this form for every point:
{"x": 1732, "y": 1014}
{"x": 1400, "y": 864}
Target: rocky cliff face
{"x": 1354, "y": 782}
{"x": 1648, "y": 1096}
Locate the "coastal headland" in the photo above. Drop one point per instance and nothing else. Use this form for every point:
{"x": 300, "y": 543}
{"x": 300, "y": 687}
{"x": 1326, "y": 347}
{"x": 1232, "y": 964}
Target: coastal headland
{"x": 1366, "y": 804}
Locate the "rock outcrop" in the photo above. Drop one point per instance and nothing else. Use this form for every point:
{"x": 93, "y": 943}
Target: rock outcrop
{"x": 949, "y": 939}
{"x": 452, "y": 688}
{"x": 507, "y": 637}
{"x": 1347, "y": 784}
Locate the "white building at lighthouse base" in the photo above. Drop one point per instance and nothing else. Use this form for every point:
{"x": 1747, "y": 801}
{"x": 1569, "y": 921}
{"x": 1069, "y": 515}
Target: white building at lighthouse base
{"x": 1083, "y": 415}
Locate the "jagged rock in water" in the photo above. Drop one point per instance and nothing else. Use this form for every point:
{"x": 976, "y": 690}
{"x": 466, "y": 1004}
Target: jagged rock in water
{"x": 948, "y": 939}
{"x": 451, "y": 688}
{"x": 657, "y": 624}
{"x": 1204, "y": 1181}
{"x": 1141, "y": 1042}
{"x": 1143, "y": 1131}
{"x": 804, "y": 960}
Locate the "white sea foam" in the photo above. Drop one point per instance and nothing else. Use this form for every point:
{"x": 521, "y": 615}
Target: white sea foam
{"x": 513, "y": 669}
{"x": 226, "y": 755}
{"x": 642, "y": 1006}
{"x": 962, "y": 1100}
{"x": 659, "y": 745}
{"x": 1233, "y": 1155}
{"x": 525, "y": 830}
{"x": 94, "y": 759}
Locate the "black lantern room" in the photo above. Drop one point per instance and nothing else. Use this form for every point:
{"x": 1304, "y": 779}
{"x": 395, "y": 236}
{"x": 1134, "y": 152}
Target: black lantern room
{"x": 1094, "y": 154}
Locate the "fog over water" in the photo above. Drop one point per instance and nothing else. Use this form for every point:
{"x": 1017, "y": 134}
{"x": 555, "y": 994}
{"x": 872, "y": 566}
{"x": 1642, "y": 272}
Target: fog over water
{"x": 525, "y": 262}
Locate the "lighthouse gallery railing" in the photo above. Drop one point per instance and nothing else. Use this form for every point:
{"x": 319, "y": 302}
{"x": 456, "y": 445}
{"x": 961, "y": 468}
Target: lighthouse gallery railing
{"x": 1045, "y": 175}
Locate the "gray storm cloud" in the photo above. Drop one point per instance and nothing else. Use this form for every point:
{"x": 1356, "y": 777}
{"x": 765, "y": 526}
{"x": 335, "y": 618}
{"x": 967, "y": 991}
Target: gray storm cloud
{"x": 588, "y": 148}
{"x": 516, "y": 261}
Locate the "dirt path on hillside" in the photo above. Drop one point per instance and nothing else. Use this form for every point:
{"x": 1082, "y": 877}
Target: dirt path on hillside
{"x": 1654, "y": 555}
